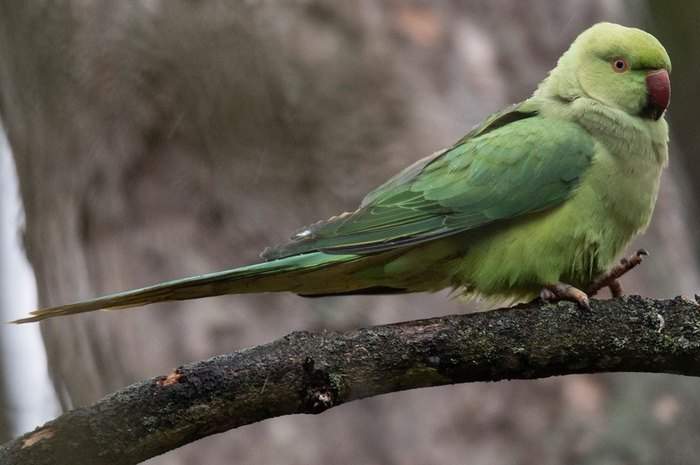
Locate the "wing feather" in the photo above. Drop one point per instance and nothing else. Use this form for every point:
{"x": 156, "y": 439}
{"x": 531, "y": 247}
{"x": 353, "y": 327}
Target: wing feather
{"x": 518, "y": 162}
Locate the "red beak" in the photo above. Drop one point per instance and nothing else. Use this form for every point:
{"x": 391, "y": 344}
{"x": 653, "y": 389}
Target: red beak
{"x": 658, "y": 93}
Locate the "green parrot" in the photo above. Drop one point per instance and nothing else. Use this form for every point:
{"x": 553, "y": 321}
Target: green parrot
{"x": 538, "y": 200}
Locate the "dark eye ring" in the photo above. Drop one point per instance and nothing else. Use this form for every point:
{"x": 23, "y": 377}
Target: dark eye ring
{"x": 620, "y": 65}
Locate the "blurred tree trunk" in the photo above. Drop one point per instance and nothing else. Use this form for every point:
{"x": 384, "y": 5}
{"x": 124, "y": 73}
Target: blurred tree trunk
{"x": 158, "y": 141}
{"x": 676, "y": 24}
{"x": 5, "y": 299}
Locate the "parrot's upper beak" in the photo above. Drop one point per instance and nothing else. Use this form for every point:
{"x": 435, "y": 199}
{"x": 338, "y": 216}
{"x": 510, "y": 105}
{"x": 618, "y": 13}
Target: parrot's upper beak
{"x": 658, "y": 93}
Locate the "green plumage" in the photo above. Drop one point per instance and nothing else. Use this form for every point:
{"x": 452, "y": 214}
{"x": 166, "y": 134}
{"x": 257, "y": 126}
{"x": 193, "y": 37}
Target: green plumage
{"x": 550, "y": 190}
{"x": 527, "y": 166}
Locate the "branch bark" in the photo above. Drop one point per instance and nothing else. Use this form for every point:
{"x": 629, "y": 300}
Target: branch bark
{"x": 311, "y": 372}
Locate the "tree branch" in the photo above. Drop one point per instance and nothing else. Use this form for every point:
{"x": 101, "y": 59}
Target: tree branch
{"x": 312, "y": 372}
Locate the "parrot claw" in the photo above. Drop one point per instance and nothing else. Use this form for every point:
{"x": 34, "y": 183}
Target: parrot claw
{"x": 611, "y": 278}
{"x": 561, "y": 291}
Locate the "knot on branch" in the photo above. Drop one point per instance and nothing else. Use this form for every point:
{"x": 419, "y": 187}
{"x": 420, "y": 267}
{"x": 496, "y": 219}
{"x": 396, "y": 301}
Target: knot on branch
{"x": 176, "y": 376}
{"x": 321, "y": 390}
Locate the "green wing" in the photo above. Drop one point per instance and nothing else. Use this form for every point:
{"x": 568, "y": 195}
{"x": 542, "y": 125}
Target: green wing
{"x": 517, "y": 162}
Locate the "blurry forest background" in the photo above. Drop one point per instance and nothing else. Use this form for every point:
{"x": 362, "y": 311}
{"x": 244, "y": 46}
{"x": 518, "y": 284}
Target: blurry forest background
{"x": 155, "y": 139}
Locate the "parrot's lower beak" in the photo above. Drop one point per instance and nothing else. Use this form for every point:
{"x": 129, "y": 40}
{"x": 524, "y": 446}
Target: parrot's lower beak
{"x": 658, "y": 93}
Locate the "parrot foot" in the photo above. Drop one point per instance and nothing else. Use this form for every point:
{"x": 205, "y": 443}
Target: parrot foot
{"x": 561, "y": 291}
{"x": 611, "y": 278}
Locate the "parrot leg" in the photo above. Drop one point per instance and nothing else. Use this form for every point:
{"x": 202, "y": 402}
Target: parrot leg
{"x": 611, "y": 278}
{"x": 616, "y": 288}
{"x": 561, "y": 291}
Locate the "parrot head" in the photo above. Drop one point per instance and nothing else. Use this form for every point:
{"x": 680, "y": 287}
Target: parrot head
{"x": 621, "y": 67}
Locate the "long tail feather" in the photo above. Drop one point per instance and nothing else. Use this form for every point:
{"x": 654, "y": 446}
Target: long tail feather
{"x": 286, "y": 274}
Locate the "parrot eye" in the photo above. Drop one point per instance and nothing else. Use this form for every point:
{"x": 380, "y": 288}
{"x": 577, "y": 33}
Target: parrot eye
{"x": 620, "y": 65}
